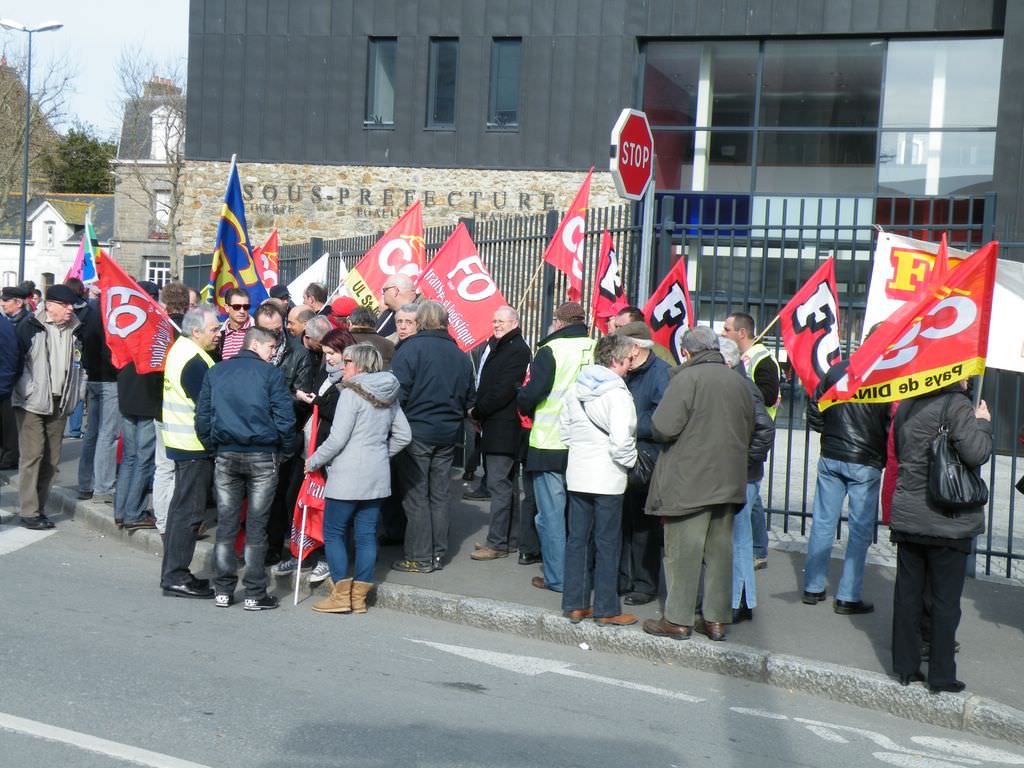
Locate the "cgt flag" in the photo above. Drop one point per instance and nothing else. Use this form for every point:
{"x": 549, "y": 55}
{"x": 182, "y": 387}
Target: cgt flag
{"x": 609, "y": 293}
{"x": 929, "y": 342}
{"x": 401, "y": 251}
{"x": 459, "y": 280}
{"x": 138, "y": 330}
{"x": 233, "y": 265}
{"x": 810, "y": 326}
{"x": 669, "y": 311}
{"x": 265, "y": 259}
{"x": 565, "y": 251}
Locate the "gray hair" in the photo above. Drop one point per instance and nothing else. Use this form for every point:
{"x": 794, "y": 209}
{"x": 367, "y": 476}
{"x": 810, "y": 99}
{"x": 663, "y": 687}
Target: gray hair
{"x": 730, "y": 351}
{"x": 255, "y": 335}
{"x": 362, "y": 317}
{"x": 195, "y": 320}
{"x": 612, "y": 348}
{"x": 317, "y": 327}
{"x": 365, "y": 357}
{"x": 699, "y": 339}
{"x": 409, "y": 309}
{"x": 510, "y": 311}
{"x": 431, "y": 316}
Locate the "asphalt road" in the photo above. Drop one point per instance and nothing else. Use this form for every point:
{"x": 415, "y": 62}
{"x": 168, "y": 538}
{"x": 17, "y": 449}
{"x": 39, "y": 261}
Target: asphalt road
{"x": 99, "y": 669}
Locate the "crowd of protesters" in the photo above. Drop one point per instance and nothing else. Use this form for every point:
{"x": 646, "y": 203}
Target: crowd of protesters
{"x": 615, "y": 469}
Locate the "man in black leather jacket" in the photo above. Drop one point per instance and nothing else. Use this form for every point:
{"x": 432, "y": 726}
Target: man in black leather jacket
{"x": 853, "y": 452}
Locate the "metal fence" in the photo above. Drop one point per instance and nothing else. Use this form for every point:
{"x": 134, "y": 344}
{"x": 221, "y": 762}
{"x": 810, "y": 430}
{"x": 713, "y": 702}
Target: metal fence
{"x": 749, "y": 257}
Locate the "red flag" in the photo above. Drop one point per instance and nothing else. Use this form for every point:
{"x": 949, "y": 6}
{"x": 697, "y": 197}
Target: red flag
{"x": 810, "y": 326}
{"x": 609, "y": 294}
{"x": 459, "y": 280}
{"x": 927, "y": 343}
{"x": 305, "y": 539}
{"x": 401, "y": 251}
{"x": 565, "y": 251}
{"x": 265, "y": 258}
{"x": 138, "y": 329}
{"x": 669, "y": 312}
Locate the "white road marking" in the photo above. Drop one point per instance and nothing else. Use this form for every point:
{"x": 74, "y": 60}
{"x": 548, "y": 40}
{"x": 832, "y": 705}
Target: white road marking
{"x": 912, "y": 761}
{"x": 532, "y": 666}
{"x": 966, "y": 749}
{"x": 93, "y": 743}
{"x": 13, "y": 539}
{"x": 758, "y": 713}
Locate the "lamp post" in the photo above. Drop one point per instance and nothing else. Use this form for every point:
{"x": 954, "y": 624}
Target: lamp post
{"x": 19, "y": 27}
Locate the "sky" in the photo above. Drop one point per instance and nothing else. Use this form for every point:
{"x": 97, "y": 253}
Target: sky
{"x": 94, "y": 34}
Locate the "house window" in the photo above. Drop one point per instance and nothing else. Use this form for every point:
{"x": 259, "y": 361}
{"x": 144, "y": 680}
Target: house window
{"x": 380, "y": 81}
{"x": 166, "y": 134}
{"x": 444, "y": 55}
{"x": 506, "y": 61}
{"x": 158, "y": 271}
{"x": 51, "y": 234}
{"x": 161, "y": 214}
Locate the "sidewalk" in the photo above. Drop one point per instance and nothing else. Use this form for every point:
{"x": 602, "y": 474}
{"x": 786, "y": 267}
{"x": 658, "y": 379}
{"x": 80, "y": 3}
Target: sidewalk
{"x": 789, "y": 644}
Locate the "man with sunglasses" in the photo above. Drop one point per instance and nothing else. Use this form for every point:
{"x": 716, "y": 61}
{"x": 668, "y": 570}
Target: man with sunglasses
{"x": 232, "y": 332}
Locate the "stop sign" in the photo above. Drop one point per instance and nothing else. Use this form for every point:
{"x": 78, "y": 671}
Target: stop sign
{"x": 632, "y": 154}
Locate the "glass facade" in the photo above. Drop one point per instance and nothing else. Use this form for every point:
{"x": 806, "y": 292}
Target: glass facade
{"x": 444, "y": 57}
{"x": 503, "y": 102}
{"x": 380, "y": 81}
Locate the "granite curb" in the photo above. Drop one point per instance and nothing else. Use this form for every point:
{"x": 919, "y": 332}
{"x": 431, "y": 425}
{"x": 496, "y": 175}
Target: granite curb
{"x": 871, "y": 690}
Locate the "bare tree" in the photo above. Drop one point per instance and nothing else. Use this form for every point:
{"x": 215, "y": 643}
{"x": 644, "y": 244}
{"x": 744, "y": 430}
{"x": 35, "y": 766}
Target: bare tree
{"x": 150, "y": 165}
{"x": 51, "y": 84}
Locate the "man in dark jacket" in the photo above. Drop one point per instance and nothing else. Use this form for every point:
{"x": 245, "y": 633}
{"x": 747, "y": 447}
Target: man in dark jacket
{"x": 700, "y": 482}
{"x": 647, "y": 379}
{"x": 245, "y": 415}
{"x": 560, "y": 357}
{"x": 437, "y": 393}
{"x": 13, "y": 302}
{"x": 853, "y": 452}
{"x": 503, "y": 365}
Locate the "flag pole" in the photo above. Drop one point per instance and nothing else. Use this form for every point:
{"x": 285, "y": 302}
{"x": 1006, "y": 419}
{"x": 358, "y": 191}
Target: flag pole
{"x": 529, "y": 286}
{"x": 767, "y": 328}
{"x": 302, "y": 549}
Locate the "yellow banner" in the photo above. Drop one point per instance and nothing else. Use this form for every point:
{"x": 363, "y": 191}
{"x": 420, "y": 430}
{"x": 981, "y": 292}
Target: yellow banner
{"x": 904, "y": 387}
{"x": 360, "y": 291}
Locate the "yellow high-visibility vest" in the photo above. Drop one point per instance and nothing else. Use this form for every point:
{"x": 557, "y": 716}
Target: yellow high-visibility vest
{"x": 179, "y": 412}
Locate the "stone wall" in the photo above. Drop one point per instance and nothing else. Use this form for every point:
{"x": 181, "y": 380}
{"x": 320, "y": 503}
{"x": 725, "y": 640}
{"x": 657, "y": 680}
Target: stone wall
{"x": 133, "y": 220}
{"x": 305, "y": 201}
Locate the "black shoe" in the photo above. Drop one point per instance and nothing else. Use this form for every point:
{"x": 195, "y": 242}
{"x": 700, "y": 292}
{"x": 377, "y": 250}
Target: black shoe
{"x": 475, "y": 494}
{"x": 913, "y": 677}
{"x": 526, "y": 558}
{"x": 412, "y": 566}
{"x": 638, "y": 598}
{"x": 83, "y": 495}
{"x": 265, "y": 603}
{"x": 438, "y": 565}
{"x": 200, "y": 583}
{"x": 955, "y": 687}
{"x": 188, "y": 590}
{"x": 742, "y": 614}
{"x": 813, "y": 598}
{"x": 37, "y": 523}
{"x": 850, "y": 607}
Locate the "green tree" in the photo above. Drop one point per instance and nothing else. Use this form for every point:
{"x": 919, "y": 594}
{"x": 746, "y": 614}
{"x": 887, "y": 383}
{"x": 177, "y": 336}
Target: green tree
{"x": 80, "y": 163}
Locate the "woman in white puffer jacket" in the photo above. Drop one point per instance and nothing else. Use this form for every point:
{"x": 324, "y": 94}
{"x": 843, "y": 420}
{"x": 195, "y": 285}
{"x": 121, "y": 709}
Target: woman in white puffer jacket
{"x": 598, "y": 424}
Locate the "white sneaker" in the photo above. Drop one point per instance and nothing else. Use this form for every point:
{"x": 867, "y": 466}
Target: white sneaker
{"x": 287, "y": 567}
{"x": 320, "y": 572}
{"x": 223, "y": 601}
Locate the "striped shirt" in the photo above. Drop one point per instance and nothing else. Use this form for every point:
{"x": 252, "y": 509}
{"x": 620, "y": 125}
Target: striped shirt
{"x": 231, "y": 340}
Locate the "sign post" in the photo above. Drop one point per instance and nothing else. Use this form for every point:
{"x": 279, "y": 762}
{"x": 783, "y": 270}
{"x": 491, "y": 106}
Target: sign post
{"x": 632, "y": 166}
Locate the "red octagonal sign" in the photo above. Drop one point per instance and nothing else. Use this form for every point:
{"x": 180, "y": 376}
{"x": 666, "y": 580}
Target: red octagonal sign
{"x": 632, "y": 154}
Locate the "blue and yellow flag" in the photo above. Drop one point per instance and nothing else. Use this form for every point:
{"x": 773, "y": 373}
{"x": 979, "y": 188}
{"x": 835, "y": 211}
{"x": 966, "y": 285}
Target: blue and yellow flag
{"x": 232, "y": 256}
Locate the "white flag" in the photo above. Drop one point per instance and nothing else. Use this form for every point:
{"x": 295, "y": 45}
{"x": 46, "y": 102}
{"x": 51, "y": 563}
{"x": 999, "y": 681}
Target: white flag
{"x": 316, "y": 273}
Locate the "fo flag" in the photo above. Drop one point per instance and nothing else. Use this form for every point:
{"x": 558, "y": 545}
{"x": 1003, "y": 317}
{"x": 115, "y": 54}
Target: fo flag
{"x": 265, "y": 259}
{"x": 460, "y": 281}
{"x": 669, "y": 311}
{"x": 137, "y": 328}
{"x": 400, "y": 251}
{"x": 927, "y": 343}
{"x": 565, "y": 251}
{"x": 609, "y": 293}
{"x": 810, "y": 326}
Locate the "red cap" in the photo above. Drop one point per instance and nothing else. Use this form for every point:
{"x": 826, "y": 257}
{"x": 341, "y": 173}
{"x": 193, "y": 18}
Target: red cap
{"x": 343, "y": 306}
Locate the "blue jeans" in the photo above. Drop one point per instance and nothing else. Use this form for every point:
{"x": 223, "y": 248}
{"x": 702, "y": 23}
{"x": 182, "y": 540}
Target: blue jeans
{"x": 743, "y": 552}
{"x": 337, "y": 516}
{"x": 549, "y": 488}
{"x": 236, "y": 476}
{"x": 74, "y": 427}
{"x": 592, "y": 553}
{"x": 758, "y": 526}
{"x": 837, "y": 479}
{"x": 137, "y": 467}
{"x": 97, "y": 466}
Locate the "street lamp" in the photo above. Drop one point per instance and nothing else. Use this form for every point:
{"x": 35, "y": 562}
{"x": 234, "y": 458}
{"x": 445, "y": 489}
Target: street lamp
{"x": 19, "y": 27}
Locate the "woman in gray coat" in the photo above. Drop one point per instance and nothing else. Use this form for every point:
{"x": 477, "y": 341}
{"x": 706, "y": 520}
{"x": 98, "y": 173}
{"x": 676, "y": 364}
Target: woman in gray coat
{"x": 368, "y": 429}
{"x": 932, "y": 543}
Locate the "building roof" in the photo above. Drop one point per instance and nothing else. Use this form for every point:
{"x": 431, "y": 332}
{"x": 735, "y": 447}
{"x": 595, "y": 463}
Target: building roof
{"x": 69, "y": 207}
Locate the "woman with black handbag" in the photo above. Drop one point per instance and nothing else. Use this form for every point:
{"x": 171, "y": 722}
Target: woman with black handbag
{"x": 934, "y": 529}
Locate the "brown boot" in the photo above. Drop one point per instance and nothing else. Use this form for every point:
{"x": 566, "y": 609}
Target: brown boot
{"x": 359, "y": 591}
{"x": 340, "y": 599}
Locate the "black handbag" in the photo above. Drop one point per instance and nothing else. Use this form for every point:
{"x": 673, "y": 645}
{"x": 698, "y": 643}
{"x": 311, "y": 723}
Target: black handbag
{"x": 952, "y": 487}
{"x": 639, "y": 475}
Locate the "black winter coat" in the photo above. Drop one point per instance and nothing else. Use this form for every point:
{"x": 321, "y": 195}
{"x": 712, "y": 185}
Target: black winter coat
{"x": 140, "y": 395}
{"x": 495, "y": 409}
{"x": 763, "y": 439}
{"x": 10, "y": 358}
{"x": 852, "y": 432}
{"x": 95, "y": 351}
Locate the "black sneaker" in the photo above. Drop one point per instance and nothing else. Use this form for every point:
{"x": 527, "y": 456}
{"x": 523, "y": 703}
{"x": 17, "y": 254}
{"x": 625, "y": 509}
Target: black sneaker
{"x": 265, "y": 603}
{"x": 37, "y": 523}
{"x": 224, "y": 601}
{"x": 412, "y": 566}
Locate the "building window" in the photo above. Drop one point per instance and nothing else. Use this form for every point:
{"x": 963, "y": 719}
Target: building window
{"x": 506, "y": 62}
{"x": 444, "y": 55}
{"x": 51, "y": 234}
{"x": 380, "y": 81}
{"x": 158, "y": 271}
{"x": 161, "y": 214}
